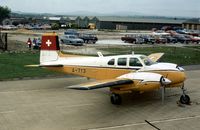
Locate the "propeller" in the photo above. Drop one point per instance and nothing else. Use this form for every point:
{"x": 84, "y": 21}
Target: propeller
{"x": 163, "y": 82}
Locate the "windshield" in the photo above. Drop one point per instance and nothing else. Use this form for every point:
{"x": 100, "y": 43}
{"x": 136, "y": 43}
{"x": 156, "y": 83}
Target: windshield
{"x": 146, "y": 60}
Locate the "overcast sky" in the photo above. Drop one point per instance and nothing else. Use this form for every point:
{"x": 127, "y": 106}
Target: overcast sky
{"x": 186, "y": 8}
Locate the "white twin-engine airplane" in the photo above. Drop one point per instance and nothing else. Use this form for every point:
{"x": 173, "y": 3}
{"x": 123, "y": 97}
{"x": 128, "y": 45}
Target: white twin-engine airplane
{"x": 121, "y": 73}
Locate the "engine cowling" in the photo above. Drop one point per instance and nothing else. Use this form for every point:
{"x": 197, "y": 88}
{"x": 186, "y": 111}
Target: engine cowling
{"x": 146, "y": 81}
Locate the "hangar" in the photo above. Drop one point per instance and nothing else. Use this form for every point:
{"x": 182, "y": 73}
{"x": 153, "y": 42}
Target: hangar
{"x": 193, "y": 24}
{"x": 117, "y": 22}
{"x": 128, "y": 23}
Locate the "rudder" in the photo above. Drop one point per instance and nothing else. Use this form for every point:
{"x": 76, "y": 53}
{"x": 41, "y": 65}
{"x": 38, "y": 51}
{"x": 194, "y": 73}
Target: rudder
{"x": 49, "y": 48}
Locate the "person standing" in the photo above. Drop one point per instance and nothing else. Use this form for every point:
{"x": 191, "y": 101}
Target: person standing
{"x": 34, "y": 43}
{"x": 29, "y": 42}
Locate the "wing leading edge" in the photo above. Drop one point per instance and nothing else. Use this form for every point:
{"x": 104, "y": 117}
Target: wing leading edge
{"x": 102, "y": 84}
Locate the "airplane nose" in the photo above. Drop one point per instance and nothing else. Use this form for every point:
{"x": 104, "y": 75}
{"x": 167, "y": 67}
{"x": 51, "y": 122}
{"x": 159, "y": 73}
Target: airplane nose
{"x": 180, "y": 77}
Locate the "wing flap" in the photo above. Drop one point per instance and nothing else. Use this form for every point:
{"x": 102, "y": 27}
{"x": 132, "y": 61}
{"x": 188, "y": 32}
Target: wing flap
{"x": 155, "y": 56}
{"x": 101, "y": 84}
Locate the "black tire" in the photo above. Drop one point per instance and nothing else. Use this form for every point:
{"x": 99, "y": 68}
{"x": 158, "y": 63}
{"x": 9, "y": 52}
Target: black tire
{"x": 185, "y": 99}
{"x": 115, "y": 99}
{"x": 89, "y": 41}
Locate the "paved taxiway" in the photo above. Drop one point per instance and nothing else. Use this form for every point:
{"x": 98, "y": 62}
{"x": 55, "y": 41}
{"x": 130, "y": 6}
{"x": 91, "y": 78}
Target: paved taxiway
{"x": 45, "y": 104}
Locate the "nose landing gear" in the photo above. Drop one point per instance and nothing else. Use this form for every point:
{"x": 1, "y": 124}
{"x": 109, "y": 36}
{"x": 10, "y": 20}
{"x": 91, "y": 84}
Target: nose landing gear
{"x": 184, "y": 99}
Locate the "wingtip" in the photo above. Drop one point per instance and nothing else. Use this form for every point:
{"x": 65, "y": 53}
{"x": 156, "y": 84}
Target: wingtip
{"x": 78, "y": 88}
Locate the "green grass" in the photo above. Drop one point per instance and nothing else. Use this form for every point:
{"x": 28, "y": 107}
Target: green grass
{"x": 181, "y": 56}
{"x": 12, "y": 66}
{"x": 193, "y": 47}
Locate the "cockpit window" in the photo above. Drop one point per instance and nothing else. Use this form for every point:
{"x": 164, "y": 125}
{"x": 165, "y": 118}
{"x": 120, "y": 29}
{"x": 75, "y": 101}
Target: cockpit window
{"x": 111, "y": 62}
{"x": 122, "y": 61}
{"x": 146, "y": 60}
{"x": 134, "y": 62}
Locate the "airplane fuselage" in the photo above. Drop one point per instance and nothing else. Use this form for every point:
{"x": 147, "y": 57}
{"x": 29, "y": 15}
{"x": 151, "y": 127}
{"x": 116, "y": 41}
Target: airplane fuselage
{"x": 110, "y": 67}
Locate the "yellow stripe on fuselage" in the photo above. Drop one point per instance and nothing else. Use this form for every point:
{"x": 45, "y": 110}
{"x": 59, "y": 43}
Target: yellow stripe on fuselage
{"x": 99, "y": 73}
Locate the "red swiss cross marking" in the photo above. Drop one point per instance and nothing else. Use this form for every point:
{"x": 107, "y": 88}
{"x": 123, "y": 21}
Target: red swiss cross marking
{"x": 48, "y": 43}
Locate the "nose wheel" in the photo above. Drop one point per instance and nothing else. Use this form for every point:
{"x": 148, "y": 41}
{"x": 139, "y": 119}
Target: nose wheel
{"x": 115, "y": 99}
{"x": 184, "y": 99}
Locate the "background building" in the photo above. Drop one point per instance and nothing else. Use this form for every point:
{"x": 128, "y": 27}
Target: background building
{"x": 110, "y": 22}
{"x": 193, "y": 24}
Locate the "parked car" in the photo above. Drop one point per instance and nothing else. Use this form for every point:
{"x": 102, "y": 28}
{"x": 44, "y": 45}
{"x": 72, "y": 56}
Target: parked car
{"x": 170, "y": 39}
{"x": 160, "y": 40}
{"x": 139, "y": 40}
{"x": 71, "y": 32}
{"x": 193, "y": 39}
{"x": 88, "y": 38}
{"x": 71, "y": 40}
{"x": 149, "y": 39}
{"x": 9, "y": 27}
{"x": 45, "y": 26}
{"x": 128, "y": 39}
{"x": 182, "y": 39}
{"x": 181, "y": 31}
{"x": 29, "y": 27}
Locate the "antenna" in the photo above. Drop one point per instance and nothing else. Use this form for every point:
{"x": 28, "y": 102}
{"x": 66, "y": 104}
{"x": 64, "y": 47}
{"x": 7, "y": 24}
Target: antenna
{"x": 99, "y": 54}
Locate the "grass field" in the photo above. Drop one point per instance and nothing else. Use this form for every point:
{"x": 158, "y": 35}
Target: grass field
{"x": 193, "y": 47}
{"x": 178, "y": 55}
{"x": 12, "y": 64}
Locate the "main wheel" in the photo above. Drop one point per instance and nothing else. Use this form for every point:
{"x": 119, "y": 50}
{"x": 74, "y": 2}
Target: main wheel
{"x": 115, "y": 99}
{"x": 185, "y": 99}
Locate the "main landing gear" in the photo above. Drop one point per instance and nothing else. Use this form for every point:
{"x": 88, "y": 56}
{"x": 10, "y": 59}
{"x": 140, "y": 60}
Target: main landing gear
{"x": 115, "y": 99}
{"x": 184, "y": 99}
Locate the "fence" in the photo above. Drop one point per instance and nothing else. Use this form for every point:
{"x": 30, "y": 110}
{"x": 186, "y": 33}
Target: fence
{"x": 3, "y": 41}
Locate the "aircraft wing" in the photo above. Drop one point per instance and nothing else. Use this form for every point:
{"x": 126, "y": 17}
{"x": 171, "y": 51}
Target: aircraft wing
{"x": 102, "y": 84}
{"x": 144, "y": 80}
{"x": 155, "y": 56}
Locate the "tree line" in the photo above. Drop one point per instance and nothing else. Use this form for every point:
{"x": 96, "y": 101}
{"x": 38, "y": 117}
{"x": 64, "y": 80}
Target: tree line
{"x": 4, "y": 13}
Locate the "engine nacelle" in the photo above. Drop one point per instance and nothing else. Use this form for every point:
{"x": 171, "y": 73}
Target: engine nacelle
{"x": 146, "y": 81}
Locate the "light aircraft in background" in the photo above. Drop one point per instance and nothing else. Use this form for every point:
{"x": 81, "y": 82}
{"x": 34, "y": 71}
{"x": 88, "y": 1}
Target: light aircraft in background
{"x": 121, "y": 73}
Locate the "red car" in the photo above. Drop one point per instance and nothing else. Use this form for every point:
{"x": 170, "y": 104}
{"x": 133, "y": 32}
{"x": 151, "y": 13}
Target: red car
{"x": 193, "y": 39}
{"x": 160, "y": 40}
{"x": 129, "y": 39}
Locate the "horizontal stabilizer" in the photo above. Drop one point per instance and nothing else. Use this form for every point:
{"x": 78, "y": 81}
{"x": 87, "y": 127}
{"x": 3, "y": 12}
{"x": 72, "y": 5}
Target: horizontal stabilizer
{"x": 51, "y": 65}
{"x": 44, "y": 65}
{"x": 101, "y": 84}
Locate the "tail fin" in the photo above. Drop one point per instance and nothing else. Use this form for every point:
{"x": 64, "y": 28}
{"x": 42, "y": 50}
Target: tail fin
{"x": 49, "y": 48}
